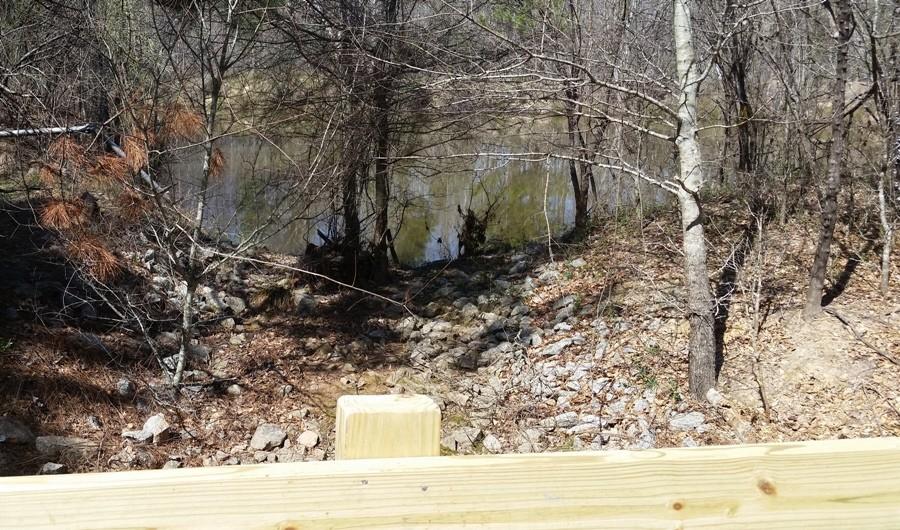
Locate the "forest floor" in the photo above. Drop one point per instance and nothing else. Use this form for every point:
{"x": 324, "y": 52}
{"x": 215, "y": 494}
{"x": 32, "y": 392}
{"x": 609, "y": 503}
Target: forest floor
{"x": 523, "y": 352}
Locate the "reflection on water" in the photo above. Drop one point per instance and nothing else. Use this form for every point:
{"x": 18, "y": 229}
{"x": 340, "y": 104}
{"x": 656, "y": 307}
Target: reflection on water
{"x": 260, "y": 184}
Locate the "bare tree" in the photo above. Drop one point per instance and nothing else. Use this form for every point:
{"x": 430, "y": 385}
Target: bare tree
{"x": 841, "y": 12}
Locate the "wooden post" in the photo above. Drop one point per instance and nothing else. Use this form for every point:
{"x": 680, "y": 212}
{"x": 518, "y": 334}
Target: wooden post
{"x": 387, "y": 426}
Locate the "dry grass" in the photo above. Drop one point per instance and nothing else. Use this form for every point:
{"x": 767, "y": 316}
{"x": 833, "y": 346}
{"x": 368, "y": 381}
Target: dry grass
{"x": 216, "y": 163}
{"x": 60, "y": 214}
{"x": 66, "y": 151}
{"x": 110, "y": 168}
{"x": 180, "y": 123}
{"x": 96, "y": 258}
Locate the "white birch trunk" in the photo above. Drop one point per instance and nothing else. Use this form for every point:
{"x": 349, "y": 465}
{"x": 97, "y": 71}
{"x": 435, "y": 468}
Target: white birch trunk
{"x": 701, "y": 309}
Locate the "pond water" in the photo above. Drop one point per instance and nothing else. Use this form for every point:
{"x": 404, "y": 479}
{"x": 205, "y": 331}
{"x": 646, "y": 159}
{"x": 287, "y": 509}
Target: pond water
{"x": 261, "y": 183}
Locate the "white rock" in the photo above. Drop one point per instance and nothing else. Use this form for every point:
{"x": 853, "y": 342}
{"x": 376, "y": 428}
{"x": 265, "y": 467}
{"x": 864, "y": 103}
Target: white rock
{"x": 714, "y": 396}
{"x": 566, "y": 420}
{"x": 557, "y": 347}
{"x": 171, "y": 464}
{"x": 155, "y": 428}
{"x": 267, "y": 436}
{"x": 577, "y": 263}
{"x": 52, "y": 468}
{"x": 308, "y": 439}
{"x": 492, "y": 444}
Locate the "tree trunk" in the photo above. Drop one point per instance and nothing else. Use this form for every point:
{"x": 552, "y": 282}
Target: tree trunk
{"x": 843, "y": 18}
{"x": 350, "y": 208}
{"x": 383, "y": 106}
{"x": 192, "y": 266}
{"x": 382, "y": 191}
{"x": 578, "y": 178}
{"x": 701, "y": 310}
{"x": 382, "y": 174}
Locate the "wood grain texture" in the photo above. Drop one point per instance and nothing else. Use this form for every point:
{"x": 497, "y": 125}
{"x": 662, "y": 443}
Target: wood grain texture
{"x": 827, "y": 484}
{"x": 387, "y": 426}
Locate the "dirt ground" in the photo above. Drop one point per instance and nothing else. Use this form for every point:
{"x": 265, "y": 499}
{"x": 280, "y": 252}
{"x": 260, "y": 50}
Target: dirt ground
{"x": 782, "y": 378}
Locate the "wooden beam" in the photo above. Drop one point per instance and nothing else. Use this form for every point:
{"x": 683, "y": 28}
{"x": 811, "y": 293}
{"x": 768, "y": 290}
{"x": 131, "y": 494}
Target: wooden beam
{"x": 387, "y": 426}
{"x": 827, "y": 484}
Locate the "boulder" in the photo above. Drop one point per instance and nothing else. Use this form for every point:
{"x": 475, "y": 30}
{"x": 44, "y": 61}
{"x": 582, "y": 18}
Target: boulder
{"x": 687, "y": 421}
{"x": 267, "y": 436}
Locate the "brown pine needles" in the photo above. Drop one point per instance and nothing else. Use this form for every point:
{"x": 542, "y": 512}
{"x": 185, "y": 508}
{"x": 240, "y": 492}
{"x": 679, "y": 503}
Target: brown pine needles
{"x": 180, "y": 123}
{"x": 109, "y": 168}
{"x": 61, "y": 214}
{"x": 132, "y": 207}
{"x": 137, "y": 154}
{"x": 66, "y": 151}
{"x": 99, "y": 261}
{"x": 216, "y": 163}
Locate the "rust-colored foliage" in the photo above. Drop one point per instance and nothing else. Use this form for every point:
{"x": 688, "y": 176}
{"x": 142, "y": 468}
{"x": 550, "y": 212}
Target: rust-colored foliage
{"x": 132, "y": 207}
{"x": 136, "y": 151}
{"x": 179, "y": 122}
{"x": 66, "y": 151}
{"x": 95, "y": 257}
{"x": 60, "y": 214}
{"x": 49, "y": 175}
{"x": 216, "y": 163}
{"x": 110, "y": 168}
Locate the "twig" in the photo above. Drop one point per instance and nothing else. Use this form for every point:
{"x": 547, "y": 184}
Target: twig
{"x": 860, "y": 338}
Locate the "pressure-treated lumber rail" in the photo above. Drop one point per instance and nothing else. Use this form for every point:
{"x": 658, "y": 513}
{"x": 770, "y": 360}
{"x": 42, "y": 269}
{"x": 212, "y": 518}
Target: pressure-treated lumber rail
{"x": 823, "y": 484}
{"x": 830, "y": 484}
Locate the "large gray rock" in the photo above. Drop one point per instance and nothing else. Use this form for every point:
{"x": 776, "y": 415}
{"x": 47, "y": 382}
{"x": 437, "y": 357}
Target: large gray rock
{"x": 13, "y": 431}
{"x": 268, "y": 436}
{"x": 64, "y": 446}
{"x": 687, "y": 421}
